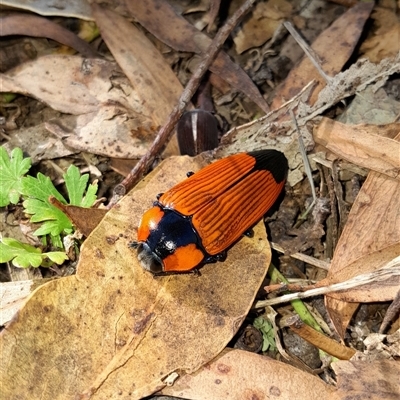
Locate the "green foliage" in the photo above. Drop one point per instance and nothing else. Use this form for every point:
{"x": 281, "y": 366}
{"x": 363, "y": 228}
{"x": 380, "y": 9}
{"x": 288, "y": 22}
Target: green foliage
{"x": 11, "y": 172}
{"x": 267, "y": 330}
{"x": 36, "y": 193}
{"x": 24, "y": 255}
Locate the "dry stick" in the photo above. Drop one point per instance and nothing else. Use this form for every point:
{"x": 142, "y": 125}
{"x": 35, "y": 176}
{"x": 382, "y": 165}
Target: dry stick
{"x": 165, "y": 132}
{"x": 311, "y": 54}
{"x": 389, "y": 270}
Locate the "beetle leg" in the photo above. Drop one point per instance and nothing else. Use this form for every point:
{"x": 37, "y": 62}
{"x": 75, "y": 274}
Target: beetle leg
{"x": 218, "y": 257}
{"x": 133, "y": 245}
{"x": 159, "y": 195}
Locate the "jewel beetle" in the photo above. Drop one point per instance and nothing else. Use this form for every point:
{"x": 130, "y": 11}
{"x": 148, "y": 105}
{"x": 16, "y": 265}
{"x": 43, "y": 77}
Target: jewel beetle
{"x": 197, "y": 220}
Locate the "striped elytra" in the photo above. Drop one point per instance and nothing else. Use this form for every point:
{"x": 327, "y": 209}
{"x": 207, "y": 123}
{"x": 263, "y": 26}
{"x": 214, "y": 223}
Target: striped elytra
{"x": 198, "y": 219}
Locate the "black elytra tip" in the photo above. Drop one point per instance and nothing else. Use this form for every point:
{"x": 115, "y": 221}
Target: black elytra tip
{"x": 189, "y": 174}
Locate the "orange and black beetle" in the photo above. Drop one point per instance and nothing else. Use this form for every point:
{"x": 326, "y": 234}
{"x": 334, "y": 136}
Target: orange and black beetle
{"x": 195, "y": 222}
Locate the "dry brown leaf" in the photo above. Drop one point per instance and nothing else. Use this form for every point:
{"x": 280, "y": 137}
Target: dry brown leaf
{"x": 260, "y": 27}
{"x": 239, "y": 375}
{"x": 371, "y": 292}
{"x": 382, "y": 46}
{"x": 384, "y": 40}
{"x": 319, "y": 340}
{"x": 36, "y": 142}
{"x": 13, "y": 294}
{"x": 108, "y": 117}
{"x": 84, "y": 219}
{"x": 378, "y": 380}
{"x": 365, "y": 145}
{"x": 150, "y": 75}
{"x": 160, "y": 19}
{"x": 334, "y": 47}
{"x": 74, "y": 9}
{"x": 115, "y": 331}
{"x": 373, "y": 225}
{"x": 33, "y": 25}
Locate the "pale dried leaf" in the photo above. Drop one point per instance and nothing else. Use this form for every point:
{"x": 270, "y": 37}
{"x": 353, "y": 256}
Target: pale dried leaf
{"x": 12, "y": 296}
{"x": 108, "y": 117}
{"x": 114, "y": 329}
{"x": 265, "y": 18}
{"x": 333, "y": 50}
{"x": 373, "y": 225}
{"x": 378, "y": 380}
{"x": 364, "y": 145}
{"x": 72, "y": 8}
{"x": 383, "y": 40}
{"x": 376, "y": 291}
{"x": 153, "y": 79}
{"x": 238, "y": 375}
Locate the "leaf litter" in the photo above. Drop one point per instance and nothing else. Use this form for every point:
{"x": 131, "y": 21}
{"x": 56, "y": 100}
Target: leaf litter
{"x": 118, "y": 335}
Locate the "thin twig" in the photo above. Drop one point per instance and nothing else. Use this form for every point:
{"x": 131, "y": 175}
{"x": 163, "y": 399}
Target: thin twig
{"x": 311, "y": 54}
{"x": 165, "y": 132}
{"x": 307, "y": 168}
{"x": 303, "y": 257}
{"x": 390, "y": 270}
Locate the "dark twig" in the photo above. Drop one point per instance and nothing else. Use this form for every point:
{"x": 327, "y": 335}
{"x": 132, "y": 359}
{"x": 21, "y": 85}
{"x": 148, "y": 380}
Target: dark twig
{"x": 165, "y": 132}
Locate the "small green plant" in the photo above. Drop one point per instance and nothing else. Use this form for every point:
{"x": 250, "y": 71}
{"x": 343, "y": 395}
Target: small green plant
{"x": 24, "y": 255}
{"x": 267, "y": 330}
{"x": 36, "y": 193}
{"x": 12, "y": 170}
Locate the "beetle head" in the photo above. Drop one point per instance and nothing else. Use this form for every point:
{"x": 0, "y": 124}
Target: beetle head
{"x": 149, "y": 260}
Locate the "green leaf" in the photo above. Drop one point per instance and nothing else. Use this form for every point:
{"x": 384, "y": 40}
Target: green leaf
{"x": 267, "y": 330}
{"x": 11, "y": 172}
{"x": 57, "y": 257}
{"x": 90, "y": 197}
{"x": 76, "y": 186}
{"x": 40, "y": 188}
{"x": 23, "y": 255}
{"x": 55, "y": 221}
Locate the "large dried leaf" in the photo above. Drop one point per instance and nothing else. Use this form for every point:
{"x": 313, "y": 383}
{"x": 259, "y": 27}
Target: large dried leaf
{"x": 107, "y": 116}
{"x": 333, "y": 48}
{"x": 153, "y": 79}
{"x": 372, "y": 226}
{"x": 73, "y": 8}
{"x": 238, "y": 375}
{"x": 364, "y": 145}
{"x": 32, "y": 25}
{"x": 113, "y": 330}
{"x": 265, "y": 19}
{"x": 378, "y": 380}
{"x": 160, "y": 19}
